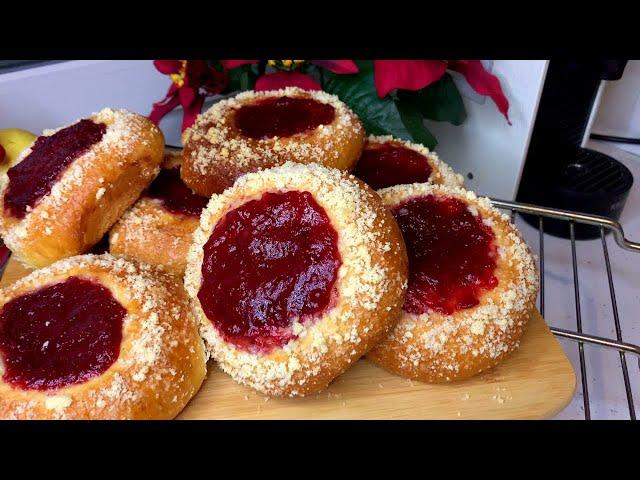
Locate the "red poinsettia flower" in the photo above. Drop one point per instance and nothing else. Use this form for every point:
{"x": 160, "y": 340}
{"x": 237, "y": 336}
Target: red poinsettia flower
{"x": 192, "y": 81}
{"x": 289, "y": 77}
{"x": 417, "y": 74}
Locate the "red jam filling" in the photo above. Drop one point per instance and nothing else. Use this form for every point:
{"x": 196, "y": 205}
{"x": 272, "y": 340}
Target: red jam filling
{"x": 282, "y": 117}
{"x": 60, "y": 335}
{"x": 175, "y": 195}
{"x": 452, "y": 254}
{"x": 3, "y": 155}
{"x": 387, "y": 165}
{"x": 35, "y": 175}
{"x": 268, "y": 263}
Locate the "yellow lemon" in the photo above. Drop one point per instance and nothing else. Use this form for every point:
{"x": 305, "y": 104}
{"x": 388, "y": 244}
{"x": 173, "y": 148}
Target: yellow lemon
{"x": 14, "y": 140}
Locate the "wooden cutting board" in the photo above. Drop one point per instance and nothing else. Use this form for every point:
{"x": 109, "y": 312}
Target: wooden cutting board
{"x": 537, "y": 381}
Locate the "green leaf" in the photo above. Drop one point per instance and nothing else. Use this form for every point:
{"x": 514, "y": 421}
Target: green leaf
{"x": 441, "y": 101}
{"x": 380, "y": 116}
{"x": 314, "y": 72}
{"x": 242, "y": 78}
{"x": 414, "y": 123}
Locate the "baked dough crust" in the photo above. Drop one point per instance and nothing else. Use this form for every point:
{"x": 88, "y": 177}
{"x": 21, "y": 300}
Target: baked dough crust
{"x": 150, "y": 233}
{"x": 370, "y": 287}
{"x": 216, "y": 153}
{"x": 162, "y": 360}
{"x": 92, "y": 193}
{"x": 433, "y": 347}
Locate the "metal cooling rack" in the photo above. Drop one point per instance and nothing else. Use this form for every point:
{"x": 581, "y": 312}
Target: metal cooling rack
{"x": 605, "y": 224}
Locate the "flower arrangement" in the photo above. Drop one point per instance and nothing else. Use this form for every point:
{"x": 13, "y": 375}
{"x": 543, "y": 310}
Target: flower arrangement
{"x": 391, "y": 97}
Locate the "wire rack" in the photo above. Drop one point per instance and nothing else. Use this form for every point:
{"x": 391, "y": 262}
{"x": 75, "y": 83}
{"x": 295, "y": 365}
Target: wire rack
{"x": 605, "y": 225}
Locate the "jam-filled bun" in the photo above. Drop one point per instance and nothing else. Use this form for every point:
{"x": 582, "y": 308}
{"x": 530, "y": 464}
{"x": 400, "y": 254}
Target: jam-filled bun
{"x": 158, "y": 229}
{"x": 472, "y": 285}
{"x": 295, "y": 272}
{"x": 73, "y": 183}
{"x": 387, "y": 161}
{"x": 95, "y": 337}
{"x": 256, "y": 130}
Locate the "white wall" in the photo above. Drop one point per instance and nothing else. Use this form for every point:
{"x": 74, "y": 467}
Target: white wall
{"x": 619, "y": 111}
{"x": 486, "y": 145}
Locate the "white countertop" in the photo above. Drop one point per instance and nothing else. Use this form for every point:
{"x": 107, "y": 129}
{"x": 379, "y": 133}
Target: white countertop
{"x": 604, "y": 374}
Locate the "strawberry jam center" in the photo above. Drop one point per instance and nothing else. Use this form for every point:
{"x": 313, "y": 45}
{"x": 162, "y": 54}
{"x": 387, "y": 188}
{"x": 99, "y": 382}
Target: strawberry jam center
{"x": 60, "y": 335}
{"x": 452, "y": 254}
{"x": 175, "y": 196}
{"x": 35, "y": 175}
{"x": 385, "y": 165}
{"x": 282, "y": 117}
{"x": 267, "y": 264}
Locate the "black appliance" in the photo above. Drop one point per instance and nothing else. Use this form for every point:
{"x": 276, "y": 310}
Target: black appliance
{"x": 558, "y": 172}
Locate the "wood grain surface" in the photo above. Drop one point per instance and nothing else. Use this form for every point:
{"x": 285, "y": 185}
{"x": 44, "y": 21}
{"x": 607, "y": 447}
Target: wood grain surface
{"x": 537, "y": 381}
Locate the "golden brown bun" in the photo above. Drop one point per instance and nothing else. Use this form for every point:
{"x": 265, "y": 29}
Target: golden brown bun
{"x": 433, "y": 347}
{"x": 150, "y": 233}
{"x": 162, "y": 360}
{"x": 216, "y": 153}
{"x": 370, "y": 286}
{"x": 93, "y": 192}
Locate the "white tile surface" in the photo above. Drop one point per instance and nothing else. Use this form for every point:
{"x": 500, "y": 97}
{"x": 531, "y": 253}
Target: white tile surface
{"x": 604, "y": 374}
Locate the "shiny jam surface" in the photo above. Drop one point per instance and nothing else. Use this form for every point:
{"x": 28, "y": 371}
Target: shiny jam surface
{"x": 452, "y": 254}
{"x": 282, "y": 117}
{"x": 268, "y": 263}
{"x": 175, "y": 195}
{"x": 388, "y": 164}
{"x": 35, "y": 175}
{"x": 60, "y": 335}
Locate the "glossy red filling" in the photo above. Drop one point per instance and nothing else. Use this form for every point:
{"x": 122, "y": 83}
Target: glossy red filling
{"x": 386, "y": 165}
{"x": 282, "y": 117}
{"x": 35, "y": 175}
{"x": 60, "y": 335}
{"x": 267, "y": 263}
{"x": 3, "y": 155}
{"x": 452, "y": 254}
{"x": 175, "y": 195}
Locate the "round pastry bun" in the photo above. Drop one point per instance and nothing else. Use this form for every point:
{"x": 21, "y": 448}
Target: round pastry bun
{"x": 441, "y": 172}
{"x": 150, "y": 233}
{"x": 91, "y": 194}
{"x": 370, "y": 285}
{"x": 216, "y": 153}
{"x": 433, "y": 347}
{"x": 161, "y": 364}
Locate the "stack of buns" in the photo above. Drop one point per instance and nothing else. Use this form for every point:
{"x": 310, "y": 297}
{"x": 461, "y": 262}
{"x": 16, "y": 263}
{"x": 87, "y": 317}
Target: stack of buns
{"x": 255, "y": 247}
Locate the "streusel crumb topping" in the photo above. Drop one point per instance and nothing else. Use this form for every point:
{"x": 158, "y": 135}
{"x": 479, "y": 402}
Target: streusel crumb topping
{"x": 361, "y": 281}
